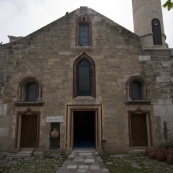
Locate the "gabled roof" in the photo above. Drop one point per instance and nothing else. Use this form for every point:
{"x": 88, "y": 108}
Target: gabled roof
{"x": 82, "y": 10}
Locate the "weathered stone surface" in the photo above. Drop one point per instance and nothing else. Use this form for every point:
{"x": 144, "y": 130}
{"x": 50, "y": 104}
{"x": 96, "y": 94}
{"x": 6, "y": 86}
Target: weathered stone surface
{"x": 3, "y": 132}
{"x": 89, "y": 166}
{"x": 143, "y": 13}
{"x": 49, "y": 55}
{"x": 144, "y": 58}
{"x": 71, "y": 166}
{"x": 85, "y": 154}
{"x": 3, "y": 109}
{"x": 89, "y": 161}
{"x": 83, "y": 166}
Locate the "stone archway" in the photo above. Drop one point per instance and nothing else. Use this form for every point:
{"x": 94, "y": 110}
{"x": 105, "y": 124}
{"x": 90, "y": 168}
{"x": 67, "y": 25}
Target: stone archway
{"x": 27, "y": 129}
{"x": 97, "y": 112}
{"x": 139, "y": 128}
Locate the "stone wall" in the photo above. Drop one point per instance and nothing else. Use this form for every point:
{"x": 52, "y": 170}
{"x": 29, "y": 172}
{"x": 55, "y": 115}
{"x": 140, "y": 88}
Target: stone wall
{"x": 48, "y": 55}
{"x": 4, "y": 125}
{"x": 161, "y": 88}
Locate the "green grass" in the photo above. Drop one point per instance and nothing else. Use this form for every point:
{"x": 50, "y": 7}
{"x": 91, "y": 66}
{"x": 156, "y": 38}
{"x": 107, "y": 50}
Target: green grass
{"x": 34, "y": 164}
{"x": 136, "y": 164}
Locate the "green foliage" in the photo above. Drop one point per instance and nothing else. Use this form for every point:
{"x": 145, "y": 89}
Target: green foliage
{"x": 135, "y": 164}
{"x": 166, "y": 145}
{"x": 168, "y": 4}
{"x": 33, "y": 164}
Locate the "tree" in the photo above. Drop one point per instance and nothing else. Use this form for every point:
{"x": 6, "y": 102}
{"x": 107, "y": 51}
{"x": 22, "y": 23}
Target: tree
{"x": 168, "y": 4}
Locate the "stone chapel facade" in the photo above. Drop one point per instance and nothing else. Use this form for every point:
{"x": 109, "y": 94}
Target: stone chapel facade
{"x": 83, "y": 79}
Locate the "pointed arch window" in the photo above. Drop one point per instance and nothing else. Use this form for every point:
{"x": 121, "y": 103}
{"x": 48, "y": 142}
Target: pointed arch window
{"x": 84, "y": 76}
{"x": 156, "y": 29}
{"x": 83, "y": 31}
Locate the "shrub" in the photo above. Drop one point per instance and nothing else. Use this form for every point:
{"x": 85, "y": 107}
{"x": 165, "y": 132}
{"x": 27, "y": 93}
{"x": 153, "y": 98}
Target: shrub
{"x": 166, "y": 145}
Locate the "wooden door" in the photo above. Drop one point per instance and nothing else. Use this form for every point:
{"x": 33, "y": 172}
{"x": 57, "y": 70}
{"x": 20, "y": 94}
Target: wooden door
{"x": 28, "y": 137}
{"x": 139, "y": 130}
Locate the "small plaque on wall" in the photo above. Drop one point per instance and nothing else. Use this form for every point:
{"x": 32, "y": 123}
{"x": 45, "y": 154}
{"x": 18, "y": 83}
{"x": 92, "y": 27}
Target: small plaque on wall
{"x": 54, "y": 119}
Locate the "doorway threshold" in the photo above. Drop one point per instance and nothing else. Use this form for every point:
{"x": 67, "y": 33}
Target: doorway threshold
{"x": 26, "y": 151}
{"x": 137, "y": 151}
{"x": 84, "y": 150}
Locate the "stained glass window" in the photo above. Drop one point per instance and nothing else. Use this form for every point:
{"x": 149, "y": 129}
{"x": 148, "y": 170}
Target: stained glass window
{"x": 156, "y": 29}
{"x": 84, "y": 78}
{"x": 83, "y": 35}
{"x": 136, "y": 90}
{"x": 31, "y": 92}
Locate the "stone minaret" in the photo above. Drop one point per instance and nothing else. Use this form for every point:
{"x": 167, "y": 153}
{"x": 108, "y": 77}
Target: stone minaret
{"x": 148, "y": 23}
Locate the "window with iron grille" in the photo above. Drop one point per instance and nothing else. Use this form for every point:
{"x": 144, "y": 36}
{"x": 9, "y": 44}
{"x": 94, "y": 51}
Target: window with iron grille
{"x": 31, "y": 92}
{"x": 83, "y": 39}
{"x": 84, "y": 78}
{"x": 83, "y": 31}
{"x": 136, "y": 90}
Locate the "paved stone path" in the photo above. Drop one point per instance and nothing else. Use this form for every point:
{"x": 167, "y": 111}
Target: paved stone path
{"x": 83, "y": 160}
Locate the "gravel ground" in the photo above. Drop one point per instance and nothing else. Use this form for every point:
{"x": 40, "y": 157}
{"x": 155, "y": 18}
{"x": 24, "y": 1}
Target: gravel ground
{"x": 135, "y": 164}
{"x": 33, "y": 164}
{"x": 114, "y": 163}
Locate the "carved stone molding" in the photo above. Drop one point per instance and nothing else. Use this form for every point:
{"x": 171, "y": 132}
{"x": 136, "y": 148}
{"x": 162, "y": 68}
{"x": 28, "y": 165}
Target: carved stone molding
{"x": 75, "y": 65}
{"x": 18, "y": 126}
{"x": 22, "y": 87}
{"x": 147, "y": 113}
{"x": 145, "y": 90}
{"x": 28, "y": 103}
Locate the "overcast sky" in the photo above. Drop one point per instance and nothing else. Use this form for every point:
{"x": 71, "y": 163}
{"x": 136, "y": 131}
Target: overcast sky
{"x": 22, "y": 17}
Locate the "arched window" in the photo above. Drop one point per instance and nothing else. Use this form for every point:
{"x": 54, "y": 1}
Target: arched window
{"x": 31, "y": 92}
{"x": 83, "y": 31}
{"x": 156, "y": 29}
{"x": 84, "y": 72}
{"x": 84, "y": 76}
{"x": 136, "y": 90}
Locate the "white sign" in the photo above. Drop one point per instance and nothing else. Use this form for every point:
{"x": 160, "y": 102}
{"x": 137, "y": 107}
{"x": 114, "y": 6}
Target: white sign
{"x": 144, "y": 57}
{"x": 54, "y": 119}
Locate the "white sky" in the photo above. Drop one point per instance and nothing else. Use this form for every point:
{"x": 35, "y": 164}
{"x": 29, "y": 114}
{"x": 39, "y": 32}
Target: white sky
{"x": 22, "y": 17}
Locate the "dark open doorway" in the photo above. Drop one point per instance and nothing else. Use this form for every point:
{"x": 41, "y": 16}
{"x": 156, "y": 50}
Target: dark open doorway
{"x": 84, "y": 129}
